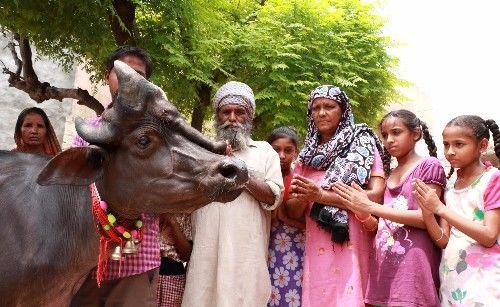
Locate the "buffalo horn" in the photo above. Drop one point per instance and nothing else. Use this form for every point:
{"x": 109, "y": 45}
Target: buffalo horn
{"x": 133, "y": 89}
{"x": 105, "y": 133}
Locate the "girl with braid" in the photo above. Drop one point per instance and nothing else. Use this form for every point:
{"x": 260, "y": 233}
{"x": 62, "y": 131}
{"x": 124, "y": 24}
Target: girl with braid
{"x": 468, "y": 226}
{"x": 404, "y": 262}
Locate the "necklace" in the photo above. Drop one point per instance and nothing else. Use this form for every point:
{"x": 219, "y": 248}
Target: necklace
{"x": 461, "y": 180}
{"x": 121, "y": 232}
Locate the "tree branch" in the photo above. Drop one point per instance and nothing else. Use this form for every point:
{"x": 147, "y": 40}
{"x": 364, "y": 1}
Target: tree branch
{"x": 17, "y": 61}
{"x": 37, "y": 90}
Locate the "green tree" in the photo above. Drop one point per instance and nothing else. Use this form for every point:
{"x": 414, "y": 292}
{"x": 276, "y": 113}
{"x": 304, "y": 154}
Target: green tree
{"x": 281, "y": 48}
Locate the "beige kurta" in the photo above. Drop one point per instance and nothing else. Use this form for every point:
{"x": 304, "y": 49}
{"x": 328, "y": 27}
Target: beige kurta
{"x": 228, "y": 266}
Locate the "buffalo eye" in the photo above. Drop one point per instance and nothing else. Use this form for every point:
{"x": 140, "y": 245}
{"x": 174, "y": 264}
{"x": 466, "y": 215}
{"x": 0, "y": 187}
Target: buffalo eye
{"x": 143, "y": 141}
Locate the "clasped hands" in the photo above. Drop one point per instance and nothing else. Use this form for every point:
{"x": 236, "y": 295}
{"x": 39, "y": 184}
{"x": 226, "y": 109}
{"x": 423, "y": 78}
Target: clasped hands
{"x": 427, "y": 198}
{"x": 353, "y": 197}
{"x": 304, "y": 190}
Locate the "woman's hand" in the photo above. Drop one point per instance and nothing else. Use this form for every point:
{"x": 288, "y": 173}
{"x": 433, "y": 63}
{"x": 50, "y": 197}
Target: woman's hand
{"x": 427, "y": 197}
{"x": 355, "y": 198}
{"x": 305, "y": 190}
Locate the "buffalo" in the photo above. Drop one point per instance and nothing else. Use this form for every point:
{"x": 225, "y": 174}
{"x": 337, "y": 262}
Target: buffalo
{"x": 143, "y": 157}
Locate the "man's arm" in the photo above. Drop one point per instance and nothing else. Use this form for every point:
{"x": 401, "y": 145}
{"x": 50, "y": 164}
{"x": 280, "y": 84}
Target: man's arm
{"x": 267, "y": 186}
{"x": 260, "y": 191}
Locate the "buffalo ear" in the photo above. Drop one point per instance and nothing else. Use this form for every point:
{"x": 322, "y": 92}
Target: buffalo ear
{"x": 74, "y": 166}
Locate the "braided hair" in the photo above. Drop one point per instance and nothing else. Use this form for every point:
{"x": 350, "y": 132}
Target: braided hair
{"x": 412, "y": 122}
{"x": 284, "y": 132}
{"x": 480, "y": 129}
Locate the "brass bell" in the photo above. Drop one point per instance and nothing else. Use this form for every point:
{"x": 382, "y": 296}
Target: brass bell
{"x": 129, "y": 247}
{"x": 116, "y": 253}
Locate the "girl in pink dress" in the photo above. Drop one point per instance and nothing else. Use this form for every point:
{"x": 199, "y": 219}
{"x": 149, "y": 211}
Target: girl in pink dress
{"x": 404, "y": 261}
{"x": 337, "y": 242}
{"x": 469, "y": 225}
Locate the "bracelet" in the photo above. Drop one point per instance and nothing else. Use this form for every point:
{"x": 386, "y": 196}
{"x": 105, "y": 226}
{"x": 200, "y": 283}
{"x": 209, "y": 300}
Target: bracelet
{"x": 362, "y": 221}
{"x": 373, "y": 229}
{"x": 442, "y": 235}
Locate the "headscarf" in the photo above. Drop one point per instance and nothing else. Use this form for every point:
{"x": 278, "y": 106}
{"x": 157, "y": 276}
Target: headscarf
{"x": 347, "y": 157}
{"x": 235, "y": 92}
{"x": 51, "y": 145}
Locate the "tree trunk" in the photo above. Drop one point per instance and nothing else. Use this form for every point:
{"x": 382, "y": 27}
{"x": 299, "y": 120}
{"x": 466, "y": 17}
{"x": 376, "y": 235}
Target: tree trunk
{"x": 204, "y": 91}
{"x": 123, "y": 25}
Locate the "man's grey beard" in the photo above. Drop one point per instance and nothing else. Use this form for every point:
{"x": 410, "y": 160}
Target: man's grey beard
{"x": 237, "y": 134}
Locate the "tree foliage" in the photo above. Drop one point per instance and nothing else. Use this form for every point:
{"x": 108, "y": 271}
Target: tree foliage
{"x": 281, "y": 48}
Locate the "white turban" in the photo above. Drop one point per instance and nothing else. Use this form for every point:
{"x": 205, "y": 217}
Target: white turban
{"x": 235, "y": 92}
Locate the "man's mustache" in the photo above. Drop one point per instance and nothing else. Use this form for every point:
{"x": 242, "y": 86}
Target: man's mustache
{"x": 229, "y": 124}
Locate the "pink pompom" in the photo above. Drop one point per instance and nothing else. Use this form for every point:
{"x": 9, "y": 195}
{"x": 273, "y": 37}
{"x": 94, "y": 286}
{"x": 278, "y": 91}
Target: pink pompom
{"x": 134, "y": 233}
{"x": 120, "y": 229}
{"x": 103, "y": 205}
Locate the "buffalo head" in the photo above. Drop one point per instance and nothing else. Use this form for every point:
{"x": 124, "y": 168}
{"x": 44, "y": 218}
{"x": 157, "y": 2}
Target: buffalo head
{"x": 145, "y": 158}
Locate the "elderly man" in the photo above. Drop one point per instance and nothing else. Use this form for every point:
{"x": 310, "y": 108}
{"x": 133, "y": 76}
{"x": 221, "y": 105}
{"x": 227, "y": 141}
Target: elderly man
{"x": 228, "y": 265}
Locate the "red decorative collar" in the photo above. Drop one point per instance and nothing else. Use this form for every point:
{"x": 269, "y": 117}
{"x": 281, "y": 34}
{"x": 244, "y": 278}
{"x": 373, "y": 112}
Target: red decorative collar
{"x": 111, "y": 230}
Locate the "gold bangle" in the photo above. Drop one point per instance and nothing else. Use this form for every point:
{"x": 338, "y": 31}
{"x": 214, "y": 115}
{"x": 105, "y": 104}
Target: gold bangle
{"x": 362, "y": 221}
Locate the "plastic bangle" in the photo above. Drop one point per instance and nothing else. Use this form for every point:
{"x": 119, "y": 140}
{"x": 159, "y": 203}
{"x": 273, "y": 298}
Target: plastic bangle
{"x": 442, "y": 235}
{"x": 362, "y": 221}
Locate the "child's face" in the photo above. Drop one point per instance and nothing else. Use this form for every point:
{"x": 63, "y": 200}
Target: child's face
{"x": 461, "y": 147}
{"x": 397, "y": 137}
{"x": 286, "y": 151}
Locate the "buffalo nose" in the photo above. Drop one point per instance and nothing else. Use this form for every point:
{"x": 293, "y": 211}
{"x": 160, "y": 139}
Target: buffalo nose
{"x": 234, "y": 169}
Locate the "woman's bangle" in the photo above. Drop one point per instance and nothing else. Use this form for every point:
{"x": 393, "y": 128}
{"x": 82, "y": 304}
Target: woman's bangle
{"x": 375, "y": 227}
{"x": 442, "y": 235}
{"x": 362, "y": 221}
